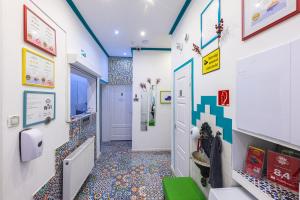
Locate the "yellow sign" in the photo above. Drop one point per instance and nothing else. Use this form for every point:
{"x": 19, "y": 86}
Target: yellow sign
{"x": 211, "y": 62}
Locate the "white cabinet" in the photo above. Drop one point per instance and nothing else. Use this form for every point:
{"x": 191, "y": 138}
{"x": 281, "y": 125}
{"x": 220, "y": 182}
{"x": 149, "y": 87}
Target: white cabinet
{"x": 295, "y": 94}
{"x": 263, "y": 94}
{"x": 268, "y": 93}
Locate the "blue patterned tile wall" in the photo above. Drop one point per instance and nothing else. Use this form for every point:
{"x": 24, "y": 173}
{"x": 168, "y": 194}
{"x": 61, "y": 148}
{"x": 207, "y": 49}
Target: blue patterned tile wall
{"x": 120, "y": 71}
{"x": 81, "y": 129}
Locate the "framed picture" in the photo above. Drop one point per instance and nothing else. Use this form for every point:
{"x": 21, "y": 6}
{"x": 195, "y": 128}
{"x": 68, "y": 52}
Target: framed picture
{"x": 38, "y": 33}
{"x": 210, "y": 16}
{"x": 37, "y": 70}
{"x": 165, "y": 97}
{"x": 38, "y": 107}
{"x": 260, "y": 15}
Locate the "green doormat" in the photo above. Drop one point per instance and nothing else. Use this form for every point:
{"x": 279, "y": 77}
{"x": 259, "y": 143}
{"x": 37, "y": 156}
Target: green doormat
{"x": 182, "y": 188}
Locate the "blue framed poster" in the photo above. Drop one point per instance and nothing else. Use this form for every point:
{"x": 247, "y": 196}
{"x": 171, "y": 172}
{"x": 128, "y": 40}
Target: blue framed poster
{"x": 38, "y": 107}
{"x": 210, "y": 16}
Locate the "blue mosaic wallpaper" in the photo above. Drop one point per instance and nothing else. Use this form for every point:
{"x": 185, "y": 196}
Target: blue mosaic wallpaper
{"x": 120, "y": 71}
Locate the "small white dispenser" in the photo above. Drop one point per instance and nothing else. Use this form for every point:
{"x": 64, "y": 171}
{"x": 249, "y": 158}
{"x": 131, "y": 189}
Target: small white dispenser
{"x": 31, "y": 144}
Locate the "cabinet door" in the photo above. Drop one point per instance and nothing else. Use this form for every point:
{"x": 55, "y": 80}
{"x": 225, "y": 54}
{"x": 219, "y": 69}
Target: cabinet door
{"x": 263, "y": 93}
{"x": 295, "y": 100}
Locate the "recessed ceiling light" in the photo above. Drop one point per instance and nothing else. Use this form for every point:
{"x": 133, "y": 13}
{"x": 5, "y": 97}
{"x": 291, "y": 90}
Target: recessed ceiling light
{"x": 150, "y": 1}
{"x": 143, "y": 33}
{"x": 117, "y": 32}
{"x": 125, "y": 54}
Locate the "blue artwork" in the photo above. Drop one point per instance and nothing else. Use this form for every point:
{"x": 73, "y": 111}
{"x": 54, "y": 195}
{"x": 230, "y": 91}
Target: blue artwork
{"x": 165, "y": 97}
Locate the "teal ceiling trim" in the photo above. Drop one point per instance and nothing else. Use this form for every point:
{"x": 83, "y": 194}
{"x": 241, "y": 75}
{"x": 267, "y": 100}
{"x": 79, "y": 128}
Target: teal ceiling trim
{"x": 151, "y": 49}
{"x": 180, "y": 15}
{"x": 217, "y": 111}
{"x": 85, "y": 24}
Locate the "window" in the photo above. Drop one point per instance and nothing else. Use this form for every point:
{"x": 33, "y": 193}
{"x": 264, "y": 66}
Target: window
{"x": 83, "y": 89}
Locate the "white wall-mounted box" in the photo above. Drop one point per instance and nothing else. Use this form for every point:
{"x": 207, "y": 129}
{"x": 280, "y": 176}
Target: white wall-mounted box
{"x": 268, "y": 93}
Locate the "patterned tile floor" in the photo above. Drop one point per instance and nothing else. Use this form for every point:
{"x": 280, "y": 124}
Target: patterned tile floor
{"x": 121, "y": 174}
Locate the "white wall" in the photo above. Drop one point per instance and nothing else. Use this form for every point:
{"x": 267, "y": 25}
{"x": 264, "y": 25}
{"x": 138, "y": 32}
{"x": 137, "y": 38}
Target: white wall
{"x": 152, "y": 64}
{"x": 22, "y": 180}
{"x": 1, "y": 95}
{"x": 77, "y": 36}
{"x": 232, "y": 48}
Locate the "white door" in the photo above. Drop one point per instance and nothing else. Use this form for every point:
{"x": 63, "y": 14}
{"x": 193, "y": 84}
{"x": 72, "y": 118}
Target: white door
{"x": 119, "y": 112}
{"x": 182, "y": 121}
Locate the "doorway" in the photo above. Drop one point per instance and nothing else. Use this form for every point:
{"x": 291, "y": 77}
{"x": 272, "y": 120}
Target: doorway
{"x": 117, "y": 112}
{"x": 182, "y": 120}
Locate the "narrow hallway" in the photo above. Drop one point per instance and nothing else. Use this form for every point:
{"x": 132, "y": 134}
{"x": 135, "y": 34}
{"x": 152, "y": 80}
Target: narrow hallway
{"x": 123, "y": 174}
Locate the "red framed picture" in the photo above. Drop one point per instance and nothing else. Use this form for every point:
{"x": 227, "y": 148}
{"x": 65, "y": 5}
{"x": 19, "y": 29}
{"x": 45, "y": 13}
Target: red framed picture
{"x": 38, "y": 33}
{"x": 260, "y": 15}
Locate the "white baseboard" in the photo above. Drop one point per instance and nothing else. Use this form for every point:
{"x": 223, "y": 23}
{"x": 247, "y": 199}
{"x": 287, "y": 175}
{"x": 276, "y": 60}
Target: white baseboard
{"x": 149, "y": 150}
{"x": 173, "y": 170}
{"x": 98, "y": 155}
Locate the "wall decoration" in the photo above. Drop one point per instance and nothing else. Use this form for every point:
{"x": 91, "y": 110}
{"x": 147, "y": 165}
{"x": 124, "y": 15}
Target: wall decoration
{"x": 38, "y": 107}
{"x": 120, "y": 71}
{"x": 223, "y": 98}
{"x": 165, "y": 97}
{"x": 260, "y": 15}
{"x": 148, "y": 103}
{"x": 152, "y": 105}
{"x": 219, "y": 29}
{"x": 37, "y": 70}
{"x": 221, "y": 120}
{"x": 196, "y": 49}
{"x": 210, "y": 16}
{"x": 211, "y": 62}
{"x": 186, "y": 37}
{"x": 179, "y": 46}
{"x": 38, "y": 33}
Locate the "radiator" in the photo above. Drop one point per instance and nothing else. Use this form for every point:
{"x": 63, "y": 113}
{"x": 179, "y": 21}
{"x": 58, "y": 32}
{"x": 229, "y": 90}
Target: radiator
{"x": 76, "y": 168}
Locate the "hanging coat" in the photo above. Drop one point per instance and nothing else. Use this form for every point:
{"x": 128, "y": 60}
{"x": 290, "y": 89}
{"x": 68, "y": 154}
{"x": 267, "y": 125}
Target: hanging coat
{"x": 215, "y": 174}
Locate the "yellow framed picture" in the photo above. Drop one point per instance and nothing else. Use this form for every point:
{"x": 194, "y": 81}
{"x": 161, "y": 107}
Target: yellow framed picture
{"x": 165, "y": 97}
{"x": 37, "y": 70}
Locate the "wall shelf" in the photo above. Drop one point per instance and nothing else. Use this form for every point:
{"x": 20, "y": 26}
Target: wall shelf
{"x": 263, "y": 189}
{"x": 269, "y": 139}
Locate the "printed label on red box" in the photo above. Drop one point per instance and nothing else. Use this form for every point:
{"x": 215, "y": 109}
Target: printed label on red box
{"x": 284, "y": 170}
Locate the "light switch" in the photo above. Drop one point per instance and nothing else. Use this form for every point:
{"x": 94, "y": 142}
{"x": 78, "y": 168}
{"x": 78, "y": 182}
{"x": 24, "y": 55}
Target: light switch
{"x": 13, "y": 121}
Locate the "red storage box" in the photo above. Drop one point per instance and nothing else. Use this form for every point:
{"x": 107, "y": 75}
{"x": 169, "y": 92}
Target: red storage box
{"x": 284, "y": 170}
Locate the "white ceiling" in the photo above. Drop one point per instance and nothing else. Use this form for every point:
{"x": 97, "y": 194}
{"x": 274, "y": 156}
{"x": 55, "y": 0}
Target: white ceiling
{"x": 130, "y": 17}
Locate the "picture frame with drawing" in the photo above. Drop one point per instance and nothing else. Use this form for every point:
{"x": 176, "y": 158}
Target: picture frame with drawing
{"x": 165, "y": 97}
{"x": 260, "y": 15}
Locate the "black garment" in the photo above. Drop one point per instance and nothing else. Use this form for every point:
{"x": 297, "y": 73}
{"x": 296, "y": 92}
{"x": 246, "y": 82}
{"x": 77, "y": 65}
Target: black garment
{"x": 215, "y": 175}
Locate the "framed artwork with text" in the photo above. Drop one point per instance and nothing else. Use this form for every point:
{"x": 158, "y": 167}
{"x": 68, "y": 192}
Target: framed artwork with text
{"x": 38, "y": 33}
